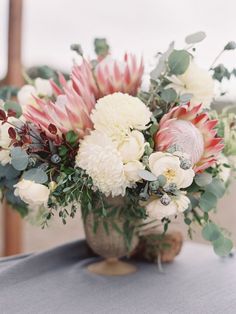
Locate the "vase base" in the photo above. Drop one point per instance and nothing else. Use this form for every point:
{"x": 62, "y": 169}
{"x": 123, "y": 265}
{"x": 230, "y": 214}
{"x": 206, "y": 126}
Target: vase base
{"x": 112, "y": 267}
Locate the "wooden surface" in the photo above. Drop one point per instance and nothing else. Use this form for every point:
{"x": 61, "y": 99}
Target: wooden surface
{"x": 12, "y": 221}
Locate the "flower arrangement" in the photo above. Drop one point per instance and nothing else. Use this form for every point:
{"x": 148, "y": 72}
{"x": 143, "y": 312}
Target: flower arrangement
{"x": 76, "y": 143}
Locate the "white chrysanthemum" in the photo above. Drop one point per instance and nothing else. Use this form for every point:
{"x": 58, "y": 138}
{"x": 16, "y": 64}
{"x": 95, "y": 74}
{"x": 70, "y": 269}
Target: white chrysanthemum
{"x": 101, "y": 160}
{"x": 119, "y": 113}
{"x": 195, "y": 81}
{"x": 156, "y": 210}
{"x": 169, "y": 165}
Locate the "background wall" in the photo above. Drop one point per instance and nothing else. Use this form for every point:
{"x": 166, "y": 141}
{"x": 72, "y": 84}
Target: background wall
{"x": 143, "y": 27}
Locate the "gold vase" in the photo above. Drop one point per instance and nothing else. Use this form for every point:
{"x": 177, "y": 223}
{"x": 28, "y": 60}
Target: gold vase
{"x": 110, "y": 245}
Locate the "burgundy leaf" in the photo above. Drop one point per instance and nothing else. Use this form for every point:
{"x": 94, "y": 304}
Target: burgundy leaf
{"x": 3, "y": 116}
{"x": 52, "y": 129}
{"x": 12, "y": 133}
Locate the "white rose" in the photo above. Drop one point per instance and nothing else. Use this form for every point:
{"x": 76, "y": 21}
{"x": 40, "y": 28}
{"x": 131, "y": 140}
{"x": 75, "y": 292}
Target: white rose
{"x": 195, "y": 81}
{"x": 25, "y": 95}
{"x": 156, "y": 210}
{"x": 131, "y": 170}
{"x": 43, "y": 87}
{"x": 33, "y": 194}
{"x": 5, "y": 141}
{"x": 169, "y": 165}
{"x": 132, "y": 148}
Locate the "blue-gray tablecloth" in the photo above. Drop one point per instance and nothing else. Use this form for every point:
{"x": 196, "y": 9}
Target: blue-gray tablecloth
{"x": 57, "y": 281}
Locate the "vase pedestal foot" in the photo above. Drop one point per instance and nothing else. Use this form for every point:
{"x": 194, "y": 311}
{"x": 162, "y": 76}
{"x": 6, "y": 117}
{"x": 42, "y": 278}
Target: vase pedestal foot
{"x": 112, "y": 267}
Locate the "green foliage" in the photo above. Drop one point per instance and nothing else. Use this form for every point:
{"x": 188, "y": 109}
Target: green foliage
{"x": 195, "y": 37}
{"x": 19, "y": 159}
{"x": 216, "y": 187}
{"x": 211, "y": 232}
{"x": 178, "y": 62}
{"x": 7, "y": 92}
{"x": 230, "y": 46}
{"x": 11, "y": 105}
{"x": 169, "y": 95}
{"x": 72, "y": 137}
{"x": 208, "y": 201}
{"x": 101, "y": 47}
{"x": 221, "y": 244}
{"x": 36, "y": 174}
{"x": 203, "y": 179}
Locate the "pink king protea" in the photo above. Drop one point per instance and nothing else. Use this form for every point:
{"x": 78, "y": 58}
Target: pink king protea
{"x": 193, "y": 132}
{"x": 71, "y": 111}
{"x": 109, "y": 76}
{"x": 74, "y": 104}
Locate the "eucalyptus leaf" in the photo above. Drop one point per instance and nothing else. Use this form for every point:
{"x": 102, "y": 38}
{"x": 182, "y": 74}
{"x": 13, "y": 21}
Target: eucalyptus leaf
{"x": 208, "y": 201}
{"x": 19, "y": 158}
{"x": 169, "y": 95}
{"x": 178, "y": 61}
{"x": 37, "y": 175}
{"x": 230, "y": 46}
{"x": 11, "y": 105}
{"x": 216, "y": 187}
{"x": 222, "y": 246}
{"x": 195, "y": 37}
{"x": 147, "y": 175}
{"x": 203, "y": 179}
{"x": 211, "y": 232}
{"x": 161, "y": 65}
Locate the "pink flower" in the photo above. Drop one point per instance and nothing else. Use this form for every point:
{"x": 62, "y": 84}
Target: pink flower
{"x": 109, "y": 76}
{"x": 69, "y": 112}
{"x": 192, "y": 131}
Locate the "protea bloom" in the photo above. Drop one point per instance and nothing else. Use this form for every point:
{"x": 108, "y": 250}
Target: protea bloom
{"x": 109, "y": 76}
{"x": 192, "y": 131}
{"x": 69, "y": 112}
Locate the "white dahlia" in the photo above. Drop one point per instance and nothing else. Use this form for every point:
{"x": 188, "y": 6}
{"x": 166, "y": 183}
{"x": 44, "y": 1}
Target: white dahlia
{"x": 117, "y": 114}
{"x": 156, "y": 210}
{"x": 195, "y": 81}
{"x": 101, "y": 160}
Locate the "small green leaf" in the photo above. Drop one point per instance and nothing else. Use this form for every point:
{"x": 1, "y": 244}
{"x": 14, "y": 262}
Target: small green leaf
{"x": 230, "y": 46}
{"x": 169, "y": 95}
{"x": 19, "y": 158}
{"x": 222, "y": 246}
{"x": 37, "y": 175}
{"x": 101, "y": 47}
{"x": 187, "y": 221}
{"x": 216, "y": 187}
{"x": 184, "y": 98}
{"x": 211, "y": 232}
{"x": 11, "y": 105}
{"x": 162, "y": 180}
{"x": 71, "y": 137}
{"x": 147, "y": 175}
{"x": 203, "y": 179}
{"x": 178, "y": 62}
{"x": 195, "y": 37}
{"x": 208, "y": 201}
{"x": 153, "y": 129}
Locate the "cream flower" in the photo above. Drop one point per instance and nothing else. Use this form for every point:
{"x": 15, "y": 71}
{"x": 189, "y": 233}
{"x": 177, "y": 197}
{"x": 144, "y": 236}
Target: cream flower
{"x": 5, "y": 141}
{"x": 33, "y": 194}
{"x": 195, "y": 81}
{"x": 117, "y": 114}
{"x": 131, "y": 170}
{"x": 25, "y": 95}
{"x": 169, "y": 165}
{"x": 132, "y": 147}
{"x": 156, "y": 210}
{"x": 101, "y": 160}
